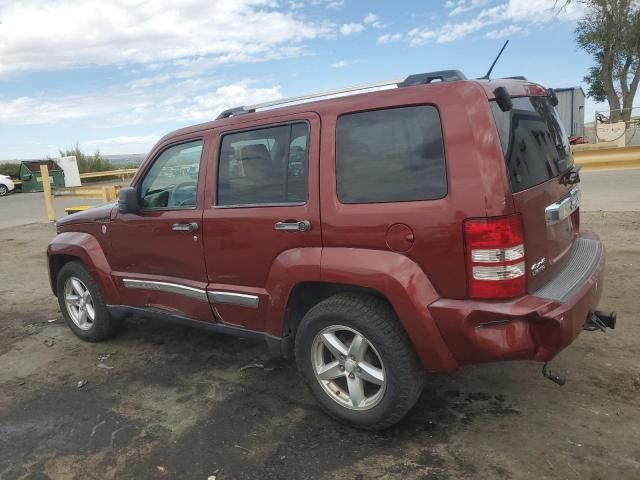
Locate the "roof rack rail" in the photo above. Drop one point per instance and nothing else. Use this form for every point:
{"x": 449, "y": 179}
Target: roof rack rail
{"x": 411, "y": 80}
{"x": 517, "y": 77}
{"x": 429, "y": 77}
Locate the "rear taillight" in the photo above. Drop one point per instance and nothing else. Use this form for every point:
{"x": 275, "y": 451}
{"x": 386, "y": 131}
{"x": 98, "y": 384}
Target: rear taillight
{"x": 495, "y": 257}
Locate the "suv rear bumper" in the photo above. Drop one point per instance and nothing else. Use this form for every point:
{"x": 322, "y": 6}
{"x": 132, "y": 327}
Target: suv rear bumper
{"x": 535, "y": 326}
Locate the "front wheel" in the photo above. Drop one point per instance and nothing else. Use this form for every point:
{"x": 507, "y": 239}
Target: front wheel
{"x": 82, "y": 306}
{"x": 358, "y": 361}
{"x": 3, "y": 190}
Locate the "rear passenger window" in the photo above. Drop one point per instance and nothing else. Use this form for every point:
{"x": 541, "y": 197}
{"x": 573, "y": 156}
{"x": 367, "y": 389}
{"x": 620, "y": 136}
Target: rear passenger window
{"x": 265, "y": 166}
{"x": 391, "y": 155}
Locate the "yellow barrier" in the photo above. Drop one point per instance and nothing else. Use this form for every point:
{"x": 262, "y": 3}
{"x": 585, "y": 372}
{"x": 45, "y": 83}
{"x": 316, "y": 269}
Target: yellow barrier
{"x": 110, "y": 173}
{"x": 46, "y": 186}
{"x": 608, "y": 158}
{"x": 106, "y": 194}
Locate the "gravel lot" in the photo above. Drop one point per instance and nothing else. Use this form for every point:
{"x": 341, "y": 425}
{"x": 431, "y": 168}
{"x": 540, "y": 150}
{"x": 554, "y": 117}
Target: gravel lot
{"x": 166, "y": 402}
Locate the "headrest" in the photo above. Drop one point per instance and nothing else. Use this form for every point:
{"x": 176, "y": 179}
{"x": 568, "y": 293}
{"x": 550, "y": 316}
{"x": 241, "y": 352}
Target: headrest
{"x": 258, "y": 151}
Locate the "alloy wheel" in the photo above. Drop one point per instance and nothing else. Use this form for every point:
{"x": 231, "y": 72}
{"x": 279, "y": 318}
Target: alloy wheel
{"x": 79, "y": 303}
{"x": 348, "y": 367}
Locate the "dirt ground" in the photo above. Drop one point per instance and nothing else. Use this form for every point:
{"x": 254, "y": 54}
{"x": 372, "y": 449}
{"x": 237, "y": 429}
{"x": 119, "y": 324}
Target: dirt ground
{"x": 166, "y": 402}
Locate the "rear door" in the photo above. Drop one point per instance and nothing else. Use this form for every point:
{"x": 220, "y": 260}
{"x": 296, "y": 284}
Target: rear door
{"x": 262, "y": 214}
{"x": 537, "y": 154}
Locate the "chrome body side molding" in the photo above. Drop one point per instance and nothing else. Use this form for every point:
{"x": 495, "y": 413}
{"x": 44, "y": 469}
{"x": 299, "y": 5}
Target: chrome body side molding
{"x": 212, "y": 296}
{"x": 169, "y": 287}
{"x": 241, "y": 299}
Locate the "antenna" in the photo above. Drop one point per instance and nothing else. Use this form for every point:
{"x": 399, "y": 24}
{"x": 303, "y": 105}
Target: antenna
{"x": 486, "y": 77}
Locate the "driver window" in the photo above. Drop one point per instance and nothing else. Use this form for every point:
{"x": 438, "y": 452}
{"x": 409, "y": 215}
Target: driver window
{"x": 172, "y": 180}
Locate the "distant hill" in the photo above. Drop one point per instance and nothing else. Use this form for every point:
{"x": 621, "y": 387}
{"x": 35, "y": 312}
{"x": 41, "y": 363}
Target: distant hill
{"x": 133, "y": 159}
{"x": 128, "y": 159}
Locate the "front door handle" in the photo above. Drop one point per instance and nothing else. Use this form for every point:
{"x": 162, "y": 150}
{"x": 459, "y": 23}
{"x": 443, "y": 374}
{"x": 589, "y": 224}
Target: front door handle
{"x": 184, "y": 227}
{"x": 293, "y": 226}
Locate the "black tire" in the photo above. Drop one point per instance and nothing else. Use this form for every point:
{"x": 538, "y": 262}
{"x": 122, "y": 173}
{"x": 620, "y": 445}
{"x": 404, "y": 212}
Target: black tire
{"x": 3, "y": 190}
{"x": 375, "y": 319}
{"x": 103, "y": 326}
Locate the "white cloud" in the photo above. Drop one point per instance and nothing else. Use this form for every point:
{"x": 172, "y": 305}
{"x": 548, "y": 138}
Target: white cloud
{"x": 127, "y": 140}
{"x": 340, "y": 64}
{"x": 46, "y": 35}
{"x": 349, "y": 28}
{"x": 128, "y": 105}
{"x": 533, "y": 11}
{"x": 295, "y": 5}
{"x": 520, "y": 14}
{"x": 504, "y": 32}
{"x": 373, "y": 20}
{"x": 388, "y": 38}
{"x": 463, "y": 6}
{"x": 34, "y": 111}
{"x": 446, "y": 33}
{"x": 370, "y": 18}
{"x": 208, "y": 105}
{"x": 539, "y": 11}
{"x": 335, "y": 4}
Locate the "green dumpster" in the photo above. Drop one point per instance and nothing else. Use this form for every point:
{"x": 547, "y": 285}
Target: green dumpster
{"x": 30, "y": 175}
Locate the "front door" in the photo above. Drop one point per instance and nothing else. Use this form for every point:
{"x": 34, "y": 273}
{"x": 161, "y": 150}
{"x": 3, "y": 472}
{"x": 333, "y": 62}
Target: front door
{"x": 262, "y": 219}
{"x": 157, "y": 253}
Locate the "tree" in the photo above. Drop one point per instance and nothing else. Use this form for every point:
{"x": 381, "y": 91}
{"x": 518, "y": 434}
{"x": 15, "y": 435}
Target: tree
{"x": 87, "y": 163}
{"x": 595, "y": 89}
{"x": 610, "y": 31}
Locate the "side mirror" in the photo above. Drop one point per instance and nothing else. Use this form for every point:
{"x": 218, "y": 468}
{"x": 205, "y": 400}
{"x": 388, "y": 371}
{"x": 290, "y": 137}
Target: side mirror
{"x": 552, "y": 97}
{"x": 128, "y": 201}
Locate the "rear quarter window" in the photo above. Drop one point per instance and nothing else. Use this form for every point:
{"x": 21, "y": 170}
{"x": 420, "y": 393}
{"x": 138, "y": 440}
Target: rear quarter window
{"x": 390, "y": 155}
{"x": 534, "y": 143}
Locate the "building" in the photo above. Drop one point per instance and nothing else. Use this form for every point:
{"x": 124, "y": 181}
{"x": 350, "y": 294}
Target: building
{"x": 571, "y": 109}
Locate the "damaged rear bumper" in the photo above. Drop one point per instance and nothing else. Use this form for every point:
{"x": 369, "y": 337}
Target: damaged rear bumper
{"x": 535, "y": 326}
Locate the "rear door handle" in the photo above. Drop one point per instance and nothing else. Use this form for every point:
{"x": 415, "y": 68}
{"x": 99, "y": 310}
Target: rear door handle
{"x": 293, "y": 226}
{"x": 184, "y": 227}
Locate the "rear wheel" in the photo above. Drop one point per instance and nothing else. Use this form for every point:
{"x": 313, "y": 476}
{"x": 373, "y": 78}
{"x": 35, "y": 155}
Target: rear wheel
{"x": 358, "y": 362}
{"x": 3, "y": 190}
{"x": 82, "y": 306}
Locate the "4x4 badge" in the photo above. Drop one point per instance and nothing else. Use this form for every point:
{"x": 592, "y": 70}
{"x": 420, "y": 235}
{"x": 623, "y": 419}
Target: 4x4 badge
{"x": 539, "y": 266}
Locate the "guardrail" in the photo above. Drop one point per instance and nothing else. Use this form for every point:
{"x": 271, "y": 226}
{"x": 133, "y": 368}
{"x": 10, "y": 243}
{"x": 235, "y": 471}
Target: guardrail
{"x": 123, "y": 172}
{"x": 608, "y": 158}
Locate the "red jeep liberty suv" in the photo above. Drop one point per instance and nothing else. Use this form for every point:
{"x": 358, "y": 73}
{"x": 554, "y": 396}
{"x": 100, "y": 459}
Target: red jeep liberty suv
{"x": 372, "y": 233}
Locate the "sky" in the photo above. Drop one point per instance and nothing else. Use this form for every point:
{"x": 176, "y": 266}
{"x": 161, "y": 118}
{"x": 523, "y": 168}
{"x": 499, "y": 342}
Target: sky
{"x": 117, "y": 75}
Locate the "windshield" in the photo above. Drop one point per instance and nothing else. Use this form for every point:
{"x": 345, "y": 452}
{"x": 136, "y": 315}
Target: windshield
{"x": 534, "y": 143}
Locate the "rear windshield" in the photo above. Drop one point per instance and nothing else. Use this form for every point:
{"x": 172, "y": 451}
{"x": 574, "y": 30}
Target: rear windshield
{"x": 534, "y": 143}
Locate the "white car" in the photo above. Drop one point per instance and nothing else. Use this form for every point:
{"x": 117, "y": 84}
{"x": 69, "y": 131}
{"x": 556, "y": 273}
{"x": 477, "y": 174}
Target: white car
{"x": 6, "y": 185}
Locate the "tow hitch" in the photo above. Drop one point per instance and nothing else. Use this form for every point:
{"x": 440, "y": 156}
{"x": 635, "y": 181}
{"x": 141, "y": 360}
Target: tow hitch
{"x": 600, "y": 320}
{"x": 597, "y": 320}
